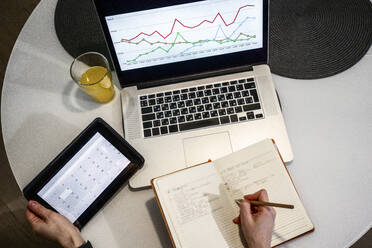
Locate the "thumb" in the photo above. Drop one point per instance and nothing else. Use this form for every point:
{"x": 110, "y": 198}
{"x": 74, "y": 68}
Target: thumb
{"x": 38, "y": 209}
{"x": 32, "y": 218}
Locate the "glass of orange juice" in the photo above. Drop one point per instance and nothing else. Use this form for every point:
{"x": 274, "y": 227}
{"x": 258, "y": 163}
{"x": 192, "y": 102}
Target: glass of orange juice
{"x": 92, "y": 73}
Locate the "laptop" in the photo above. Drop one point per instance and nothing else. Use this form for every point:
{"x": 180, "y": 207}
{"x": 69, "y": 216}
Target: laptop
{"x": 195, "y": 80}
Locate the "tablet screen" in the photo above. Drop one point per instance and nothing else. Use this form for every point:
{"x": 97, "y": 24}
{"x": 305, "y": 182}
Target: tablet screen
{"x": 83, "y": 178}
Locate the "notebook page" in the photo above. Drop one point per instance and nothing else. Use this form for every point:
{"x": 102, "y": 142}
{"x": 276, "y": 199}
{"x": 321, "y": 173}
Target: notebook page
{"x": 259, "y": 166}
{"x": 196, "y": 208}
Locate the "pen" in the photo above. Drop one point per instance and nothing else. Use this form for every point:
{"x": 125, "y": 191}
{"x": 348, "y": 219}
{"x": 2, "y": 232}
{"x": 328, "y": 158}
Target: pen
{"x": 262, "y": 203}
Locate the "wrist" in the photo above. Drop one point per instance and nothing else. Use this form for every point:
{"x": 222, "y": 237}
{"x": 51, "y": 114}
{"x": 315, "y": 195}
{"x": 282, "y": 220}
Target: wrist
{"x": 73, "y": 241}
{"x": 254, "y": 244}
{"x": 78, "y": 241}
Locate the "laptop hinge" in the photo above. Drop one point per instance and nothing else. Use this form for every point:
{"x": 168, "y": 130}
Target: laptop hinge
{"x": 157, "y": 83}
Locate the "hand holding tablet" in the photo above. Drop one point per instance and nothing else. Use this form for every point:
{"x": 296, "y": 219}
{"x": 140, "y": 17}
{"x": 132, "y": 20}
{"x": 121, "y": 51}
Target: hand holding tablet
{"x": 50, "y": 225}
{"x": 85, "y": 174}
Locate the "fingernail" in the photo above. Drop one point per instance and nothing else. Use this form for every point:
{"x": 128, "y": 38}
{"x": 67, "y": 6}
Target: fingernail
{"x": 32, "y": 203}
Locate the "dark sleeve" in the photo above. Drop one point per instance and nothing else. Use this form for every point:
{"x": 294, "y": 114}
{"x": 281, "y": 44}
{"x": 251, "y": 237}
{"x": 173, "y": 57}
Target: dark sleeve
{"x": 86, "y": 245}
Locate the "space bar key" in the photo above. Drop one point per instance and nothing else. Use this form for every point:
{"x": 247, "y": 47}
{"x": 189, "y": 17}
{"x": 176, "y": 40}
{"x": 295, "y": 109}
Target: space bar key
{"x": 198, "y": 124}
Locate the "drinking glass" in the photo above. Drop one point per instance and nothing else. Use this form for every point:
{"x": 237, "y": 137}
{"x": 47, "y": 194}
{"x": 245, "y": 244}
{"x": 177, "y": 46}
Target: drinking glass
{"x": 92, "y": 73}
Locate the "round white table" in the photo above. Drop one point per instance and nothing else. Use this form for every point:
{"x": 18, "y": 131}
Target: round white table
{"x": 329, "y": 123}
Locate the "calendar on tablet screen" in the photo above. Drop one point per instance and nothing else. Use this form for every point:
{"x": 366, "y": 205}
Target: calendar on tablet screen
{"x": 75, "y": 187}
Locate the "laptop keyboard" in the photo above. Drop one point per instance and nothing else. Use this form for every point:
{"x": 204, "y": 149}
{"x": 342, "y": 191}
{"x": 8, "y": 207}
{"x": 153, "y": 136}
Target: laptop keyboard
{"x": 199, "y": 107}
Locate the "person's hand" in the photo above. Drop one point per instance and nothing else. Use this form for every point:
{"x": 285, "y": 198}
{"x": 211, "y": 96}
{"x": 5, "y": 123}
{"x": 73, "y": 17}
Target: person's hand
{"x": 53, "y": 226}
{"x": 257, "y": 222}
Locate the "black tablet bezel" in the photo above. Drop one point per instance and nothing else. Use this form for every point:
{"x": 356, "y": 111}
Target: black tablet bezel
{"x": 100, "y": 126}
{"x": 169, "y": 72}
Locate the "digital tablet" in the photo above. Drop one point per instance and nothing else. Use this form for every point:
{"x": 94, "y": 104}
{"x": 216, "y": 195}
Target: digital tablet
{"x": 79, "y": 181}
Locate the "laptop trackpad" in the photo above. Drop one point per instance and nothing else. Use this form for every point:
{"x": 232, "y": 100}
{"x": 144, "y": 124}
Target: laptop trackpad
{"x": 201, "y": 148}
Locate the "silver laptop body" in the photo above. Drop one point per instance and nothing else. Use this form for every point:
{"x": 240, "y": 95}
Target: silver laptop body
{"x": 167, "y": 153}
{"x": 213, "y": 97}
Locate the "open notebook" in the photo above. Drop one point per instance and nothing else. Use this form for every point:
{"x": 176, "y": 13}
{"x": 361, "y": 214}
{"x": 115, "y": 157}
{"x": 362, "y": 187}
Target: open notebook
{"x": 198, "y": 205}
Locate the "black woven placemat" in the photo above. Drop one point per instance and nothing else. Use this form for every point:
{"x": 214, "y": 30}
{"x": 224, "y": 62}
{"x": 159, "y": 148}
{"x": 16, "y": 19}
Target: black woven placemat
{"x": 78, "y": 28}
{"x": 318, "y": 38}
{"x": 308, "y": 38}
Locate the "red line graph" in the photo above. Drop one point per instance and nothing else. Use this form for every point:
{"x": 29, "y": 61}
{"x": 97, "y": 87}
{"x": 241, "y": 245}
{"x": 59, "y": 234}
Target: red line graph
{"x": 191, "y": 27}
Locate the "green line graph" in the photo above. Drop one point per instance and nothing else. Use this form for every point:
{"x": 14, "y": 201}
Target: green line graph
{"x": 182, "y": 40}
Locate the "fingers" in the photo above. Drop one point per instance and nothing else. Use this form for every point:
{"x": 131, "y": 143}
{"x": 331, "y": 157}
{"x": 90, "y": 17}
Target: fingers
{"x": 273, "y": 212}
{"x": 260, "y": 195}
{"x": 36, "y": 223}
{"x": 32, "y": 218}
{"x": 236, "y": 220}
{"x": 38, "y": 210}
{"x": 245, "y": 211}
{"x": 253, "y": 196}
{"x": 263, "y": 195}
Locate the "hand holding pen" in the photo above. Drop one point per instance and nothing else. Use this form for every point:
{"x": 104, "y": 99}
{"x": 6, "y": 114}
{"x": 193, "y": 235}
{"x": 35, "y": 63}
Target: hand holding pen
{"x": 257, "y": 222}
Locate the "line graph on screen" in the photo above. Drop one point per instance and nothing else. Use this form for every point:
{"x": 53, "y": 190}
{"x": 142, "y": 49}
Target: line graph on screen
{"x": 185, "y": 32}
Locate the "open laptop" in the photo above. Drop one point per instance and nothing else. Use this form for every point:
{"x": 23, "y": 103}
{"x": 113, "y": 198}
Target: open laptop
{"x": 195, "y": 80}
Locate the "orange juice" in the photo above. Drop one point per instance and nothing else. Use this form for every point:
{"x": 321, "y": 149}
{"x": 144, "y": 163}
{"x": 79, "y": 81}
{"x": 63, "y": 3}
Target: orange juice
{"x": 97, "y": 82}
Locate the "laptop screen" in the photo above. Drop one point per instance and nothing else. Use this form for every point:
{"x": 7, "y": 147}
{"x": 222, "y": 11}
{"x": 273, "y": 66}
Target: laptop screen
{"x": 185, "y": 32}
{"x": 156, "y": 40}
